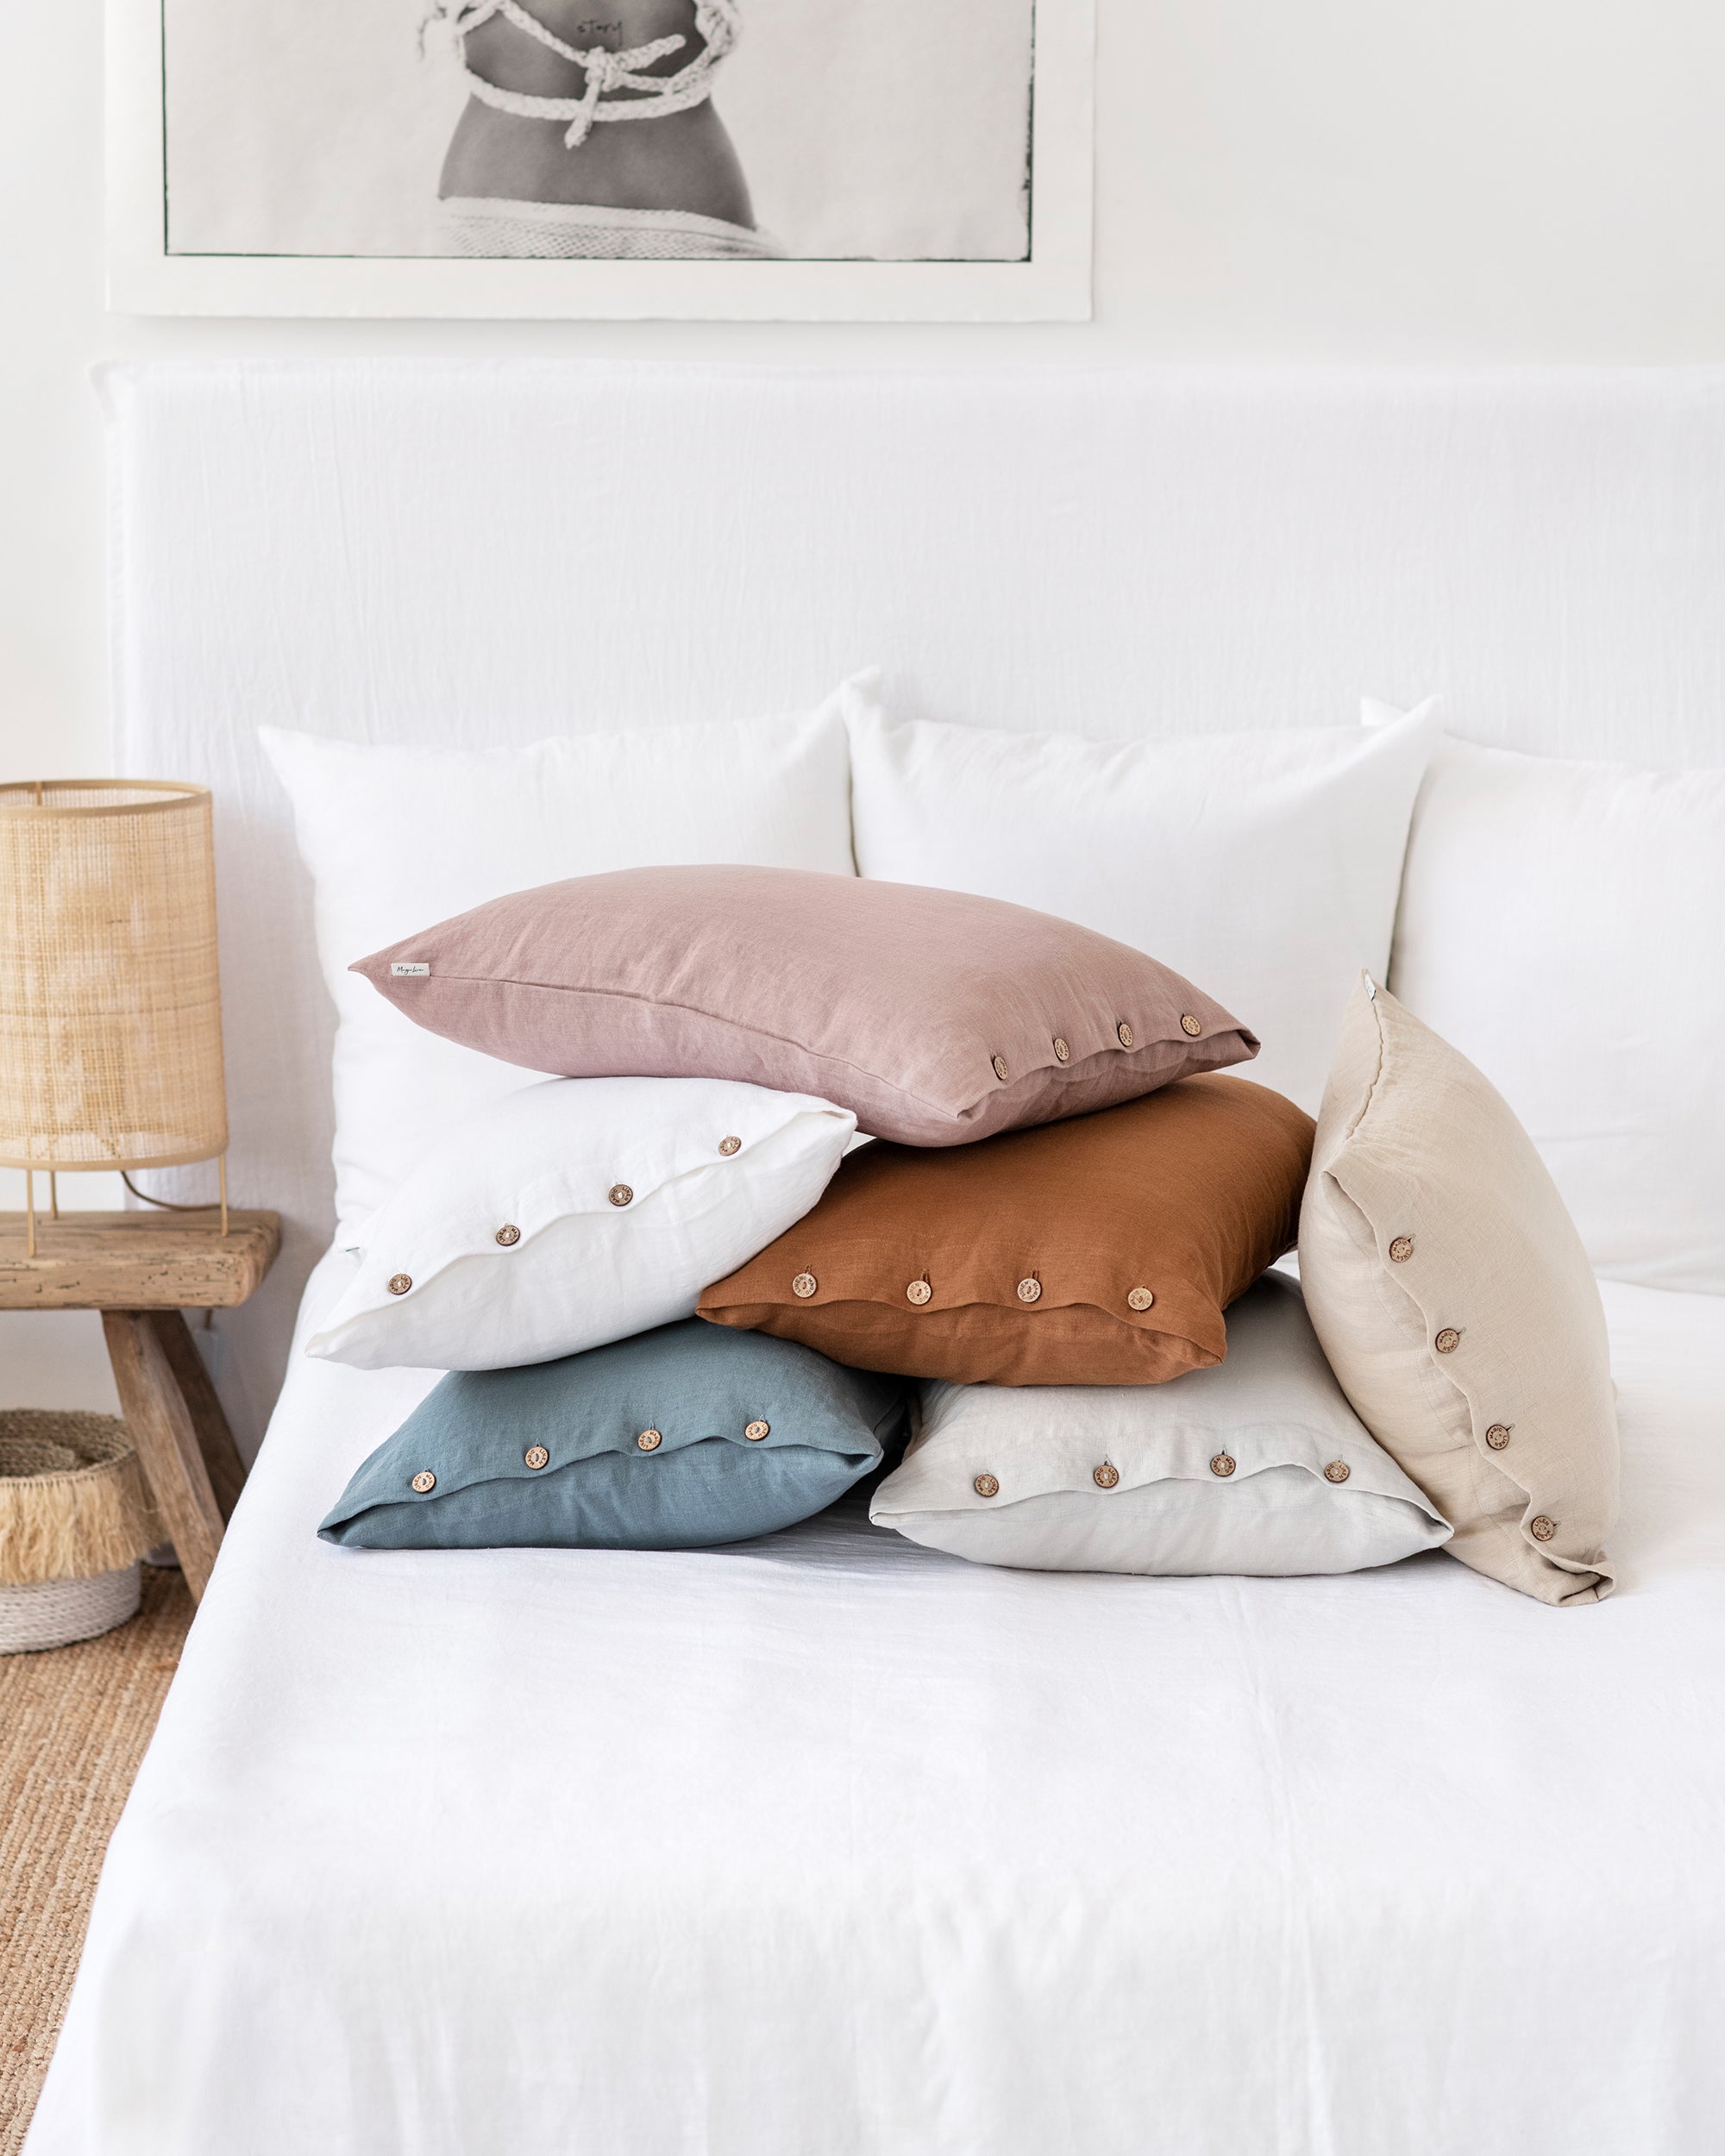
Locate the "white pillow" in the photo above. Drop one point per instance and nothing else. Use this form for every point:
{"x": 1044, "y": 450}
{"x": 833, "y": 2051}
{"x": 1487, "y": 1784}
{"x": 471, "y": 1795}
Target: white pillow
{"x": 1263, "y": 865}
{"x": 576, "y": 1212}
{"x": 1561, "y": 925}
{"x": 398, "y": 839}
{"x": 1257, "y": 1466}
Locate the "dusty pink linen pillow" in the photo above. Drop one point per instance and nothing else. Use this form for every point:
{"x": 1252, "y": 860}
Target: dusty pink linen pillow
{"x": 934, "y": 1016}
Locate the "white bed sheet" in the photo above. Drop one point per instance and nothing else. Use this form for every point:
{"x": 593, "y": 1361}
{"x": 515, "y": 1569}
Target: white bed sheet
{"x": 831, "y": 1846}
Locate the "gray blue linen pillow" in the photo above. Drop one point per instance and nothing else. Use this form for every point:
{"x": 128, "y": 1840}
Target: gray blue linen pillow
{"x": 679, "y": 1438}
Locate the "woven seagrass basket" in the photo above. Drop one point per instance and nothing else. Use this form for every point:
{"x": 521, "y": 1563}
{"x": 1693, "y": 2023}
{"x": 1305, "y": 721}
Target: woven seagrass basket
{"x": 75, "y": 1519}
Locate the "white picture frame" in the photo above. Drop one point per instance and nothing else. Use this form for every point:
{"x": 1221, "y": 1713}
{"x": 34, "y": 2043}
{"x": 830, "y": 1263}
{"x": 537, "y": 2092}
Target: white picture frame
{"x": 1052, "y": 283}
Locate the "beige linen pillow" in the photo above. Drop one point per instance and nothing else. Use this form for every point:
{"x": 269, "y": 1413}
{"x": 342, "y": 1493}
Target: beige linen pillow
{"x": 1455, "y": 1302}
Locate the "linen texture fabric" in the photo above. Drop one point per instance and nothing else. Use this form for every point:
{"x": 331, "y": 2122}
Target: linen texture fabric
{"x": 394, "y": 836}
{"x": 1098, "y": 1251}
{"x": 935, "y": 1017}
{"x": 676, "y": 1440}
{"x": 1264, "y": 864}
{"x": 1559, "y": 924}
{"x": 1456, "y": 1306}
{"x": 576, "y": 1212}
{"x": 1257, "y": 1466}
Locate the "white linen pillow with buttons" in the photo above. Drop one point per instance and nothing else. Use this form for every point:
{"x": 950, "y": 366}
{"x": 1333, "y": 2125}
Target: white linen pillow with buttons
{"x": 1559, "y": 927}
{"x": 1257, "y": 1466}
{"x": 399, "y": 838}
{"x": 577, "y": 1211}
{"x": 1264, "y": 865}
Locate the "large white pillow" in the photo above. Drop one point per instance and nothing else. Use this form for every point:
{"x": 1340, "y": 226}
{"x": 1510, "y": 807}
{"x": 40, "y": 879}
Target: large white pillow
{"x": 1561, "y": 925}
{"x": 398, "y": 839}
{"x": 577, "y": 1211}
{"x": 1264, "y": 866}
{"x": 1258, "y": 1466}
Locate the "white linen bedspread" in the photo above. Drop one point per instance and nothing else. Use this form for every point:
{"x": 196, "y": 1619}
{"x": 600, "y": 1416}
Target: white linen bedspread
{"x": 831, "y": 1846}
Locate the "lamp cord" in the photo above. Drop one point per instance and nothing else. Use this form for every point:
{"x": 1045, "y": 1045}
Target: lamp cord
{"x": 167, "y": 1205}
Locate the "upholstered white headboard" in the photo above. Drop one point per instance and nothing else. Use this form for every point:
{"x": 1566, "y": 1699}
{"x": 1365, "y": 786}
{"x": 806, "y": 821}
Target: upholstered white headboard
{"x": 483, "y": 554}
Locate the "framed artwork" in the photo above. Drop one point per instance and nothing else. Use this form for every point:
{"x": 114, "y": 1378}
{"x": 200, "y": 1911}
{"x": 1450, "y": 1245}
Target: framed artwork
{"x": 888, "y": 159}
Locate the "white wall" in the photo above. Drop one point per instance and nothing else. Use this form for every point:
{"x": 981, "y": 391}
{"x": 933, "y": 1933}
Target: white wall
{"x": 1488, "y": 181}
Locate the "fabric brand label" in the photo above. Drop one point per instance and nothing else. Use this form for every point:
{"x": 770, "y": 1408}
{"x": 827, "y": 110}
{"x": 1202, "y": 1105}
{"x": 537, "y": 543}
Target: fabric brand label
{"x": 408, "y": 970}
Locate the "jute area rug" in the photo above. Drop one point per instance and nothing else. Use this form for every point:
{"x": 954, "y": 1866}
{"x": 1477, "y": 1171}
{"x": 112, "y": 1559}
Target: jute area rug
{"x": 73, "y": 1725}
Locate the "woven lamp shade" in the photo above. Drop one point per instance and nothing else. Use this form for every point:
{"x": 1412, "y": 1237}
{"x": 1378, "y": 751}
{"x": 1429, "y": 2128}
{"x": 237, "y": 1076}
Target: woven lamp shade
{"x": 110, "y": 1007}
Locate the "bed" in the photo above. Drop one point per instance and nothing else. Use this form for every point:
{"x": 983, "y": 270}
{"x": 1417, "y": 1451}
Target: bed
{"x": 830, "y": 1843}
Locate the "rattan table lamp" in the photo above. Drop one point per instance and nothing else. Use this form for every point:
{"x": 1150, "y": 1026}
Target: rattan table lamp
{"x": 110, "y": 1006}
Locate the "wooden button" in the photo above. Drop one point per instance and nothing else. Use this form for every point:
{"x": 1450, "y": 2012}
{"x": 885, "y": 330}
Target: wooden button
{"x": 1062, "y": 1054}
{"x": 1447, "y": 1341}
{"x": 986, "y": 1486}
{"x": 1337, "y": 1471}
{"x": 1401, "y": 1249}
{"x": 399, "y": 1284}
{"x": 1191, "y": 1026}
{"x": 755, "y": 1431}
{"x": 424, "y": 1480}
{"x": 620, "y": 1194}
{"x": 1138, "y": 1299}
{"x": 804, "y": 1285}
{"x": 1105, "y": 1475}
{"x": 1223, "y": 1463}
{"x": 651, "y": 1440}
{"x": 1541, "y": 1528}
{"x": 1497, "y": 1436}
{"x": 1123, "y": 1033}
{"x": 1029, "y": 1291}
{"x": 729, "y": 1145}
{"x": 1001, "y": 1069}
{"x": 536, "y": 1456}
{"x": 509, "y": 1235}
{"x": 918, "y": 1291}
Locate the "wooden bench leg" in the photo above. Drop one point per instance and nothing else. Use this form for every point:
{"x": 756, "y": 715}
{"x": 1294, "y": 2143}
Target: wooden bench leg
{"x": 215, "y": 1439}
{"x": 167, "y": 1436}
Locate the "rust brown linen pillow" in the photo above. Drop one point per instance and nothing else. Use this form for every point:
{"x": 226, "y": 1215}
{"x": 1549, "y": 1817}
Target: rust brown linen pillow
{"x": 934, "y": 1016}
{"x": 1100, "y": 1251}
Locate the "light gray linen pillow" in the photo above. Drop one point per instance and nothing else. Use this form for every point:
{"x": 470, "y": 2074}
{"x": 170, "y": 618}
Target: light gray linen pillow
{"x": 1257, "y": 1466}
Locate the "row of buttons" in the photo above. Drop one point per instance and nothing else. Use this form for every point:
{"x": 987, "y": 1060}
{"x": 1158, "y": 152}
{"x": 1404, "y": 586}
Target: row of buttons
{"x": 509, "y": 1235}
{"x": 536, "y": 1456}
{"x": 1108, "y": 1475}
{"x": 918, "y": 1291}
{"x": 1446, "y": 1341}
{"x": 1189, "y": 1025}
